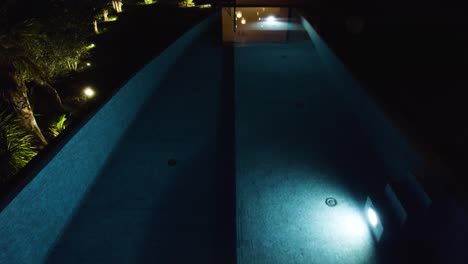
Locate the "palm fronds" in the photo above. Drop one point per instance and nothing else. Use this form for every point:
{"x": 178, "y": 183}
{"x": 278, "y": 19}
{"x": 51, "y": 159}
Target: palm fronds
{"x": 16, "y": 146}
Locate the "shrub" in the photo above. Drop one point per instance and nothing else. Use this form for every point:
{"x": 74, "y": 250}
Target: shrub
{"x": 17, "y": 146}
{"x": 58, "y": 125}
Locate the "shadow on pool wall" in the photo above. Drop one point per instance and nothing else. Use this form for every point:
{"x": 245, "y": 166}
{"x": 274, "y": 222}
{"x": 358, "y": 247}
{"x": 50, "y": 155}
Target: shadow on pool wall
{"x": 394, "y": 150}
{"x": 401, "y": 160}
{"x": 33, "y": 220}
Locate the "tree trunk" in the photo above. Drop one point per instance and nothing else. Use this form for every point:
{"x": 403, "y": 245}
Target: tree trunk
{"x": 52, "y": 91}
{"x": 20, "y": 101}
{"x": 106, "y": 15}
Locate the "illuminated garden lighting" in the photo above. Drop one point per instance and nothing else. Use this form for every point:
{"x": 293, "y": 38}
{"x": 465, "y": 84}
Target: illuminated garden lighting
{"x": 186, "y": 3}
{"x": 259, "y": 18}
{"x": 89, "y": 92}
{"x": 239, "y": 14}
{"x": 243, "y": 21}
{"x": 88, "y": 64}
{"x": 110, "y": 19}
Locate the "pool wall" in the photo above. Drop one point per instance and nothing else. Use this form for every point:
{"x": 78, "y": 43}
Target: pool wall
{"x": 35, "y": 218}
{"x": 398, "y": 155}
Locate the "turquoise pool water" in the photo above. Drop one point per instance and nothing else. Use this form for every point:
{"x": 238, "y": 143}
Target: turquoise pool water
{"x": 229, "y": 158}
{"x": 297, "y": 143}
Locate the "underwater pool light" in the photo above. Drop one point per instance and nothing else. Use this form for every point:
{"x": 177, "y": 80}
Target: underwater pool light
{"x": 270, "y": 19}
{"x": 373, "y": 218}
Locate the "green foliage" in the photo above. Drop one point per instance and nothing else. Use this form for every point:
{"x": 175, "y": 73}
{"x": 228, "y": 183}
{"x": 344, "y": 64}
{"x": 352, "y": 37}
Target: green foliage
{"x": 19, "y": 45}
{"x": 16, "y": 146}
{"x": 31, "y": 54}
{"x": 38, "y": 50}
{"x": 58, "y": 125}
{"x": 186, "y": 3}
{"x": 46, "y": 46}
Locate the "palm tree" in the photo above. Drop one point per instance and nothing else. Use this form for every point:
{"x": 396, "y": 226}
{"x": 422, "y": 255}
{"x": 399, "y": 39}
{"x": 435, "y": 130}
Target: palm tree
{"x": 28, "y": 55}
{"x": 16, "y": 69}
{"x": 33, "y": 54}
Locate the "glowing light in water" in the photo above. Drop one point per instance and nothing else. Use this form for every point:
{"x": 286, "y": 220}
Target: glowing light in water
{"x": 271, "y": 19}
{"x": 372, "y": 216}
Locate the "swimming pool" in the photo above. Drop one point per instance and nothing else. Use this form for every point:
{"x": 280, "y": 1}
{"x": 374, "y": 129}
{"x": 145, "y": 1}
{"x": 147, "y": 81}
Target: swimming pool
{"x": 224, "y": 148}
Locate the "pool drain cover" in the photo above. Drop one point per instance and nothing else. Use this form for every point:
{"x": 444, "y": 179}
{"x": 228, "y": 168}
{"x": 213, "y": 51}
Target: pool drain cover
{"x": 172, "y": 162}
{"x": 330, "y": 201}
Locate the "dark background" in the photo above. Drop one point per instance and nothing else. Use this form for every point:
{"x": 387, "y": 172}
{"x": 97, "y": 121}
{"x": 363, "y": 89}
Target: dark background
{"x": 412, "y": 58}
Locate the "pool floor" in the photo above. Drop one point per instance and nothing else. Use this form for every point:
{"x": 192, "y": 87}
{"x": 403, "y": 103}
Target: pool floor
{"x": 296, "y": 145}
{"x": 166, "y": 195}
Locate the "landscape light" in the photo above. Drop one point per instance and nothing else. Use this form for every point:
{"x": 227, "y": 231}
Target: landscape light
{"x": 243, "y": 21}
{"x": 88, "y": 64}
{"x": 239, "y": 14}
{"x": 89, "y": 92}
